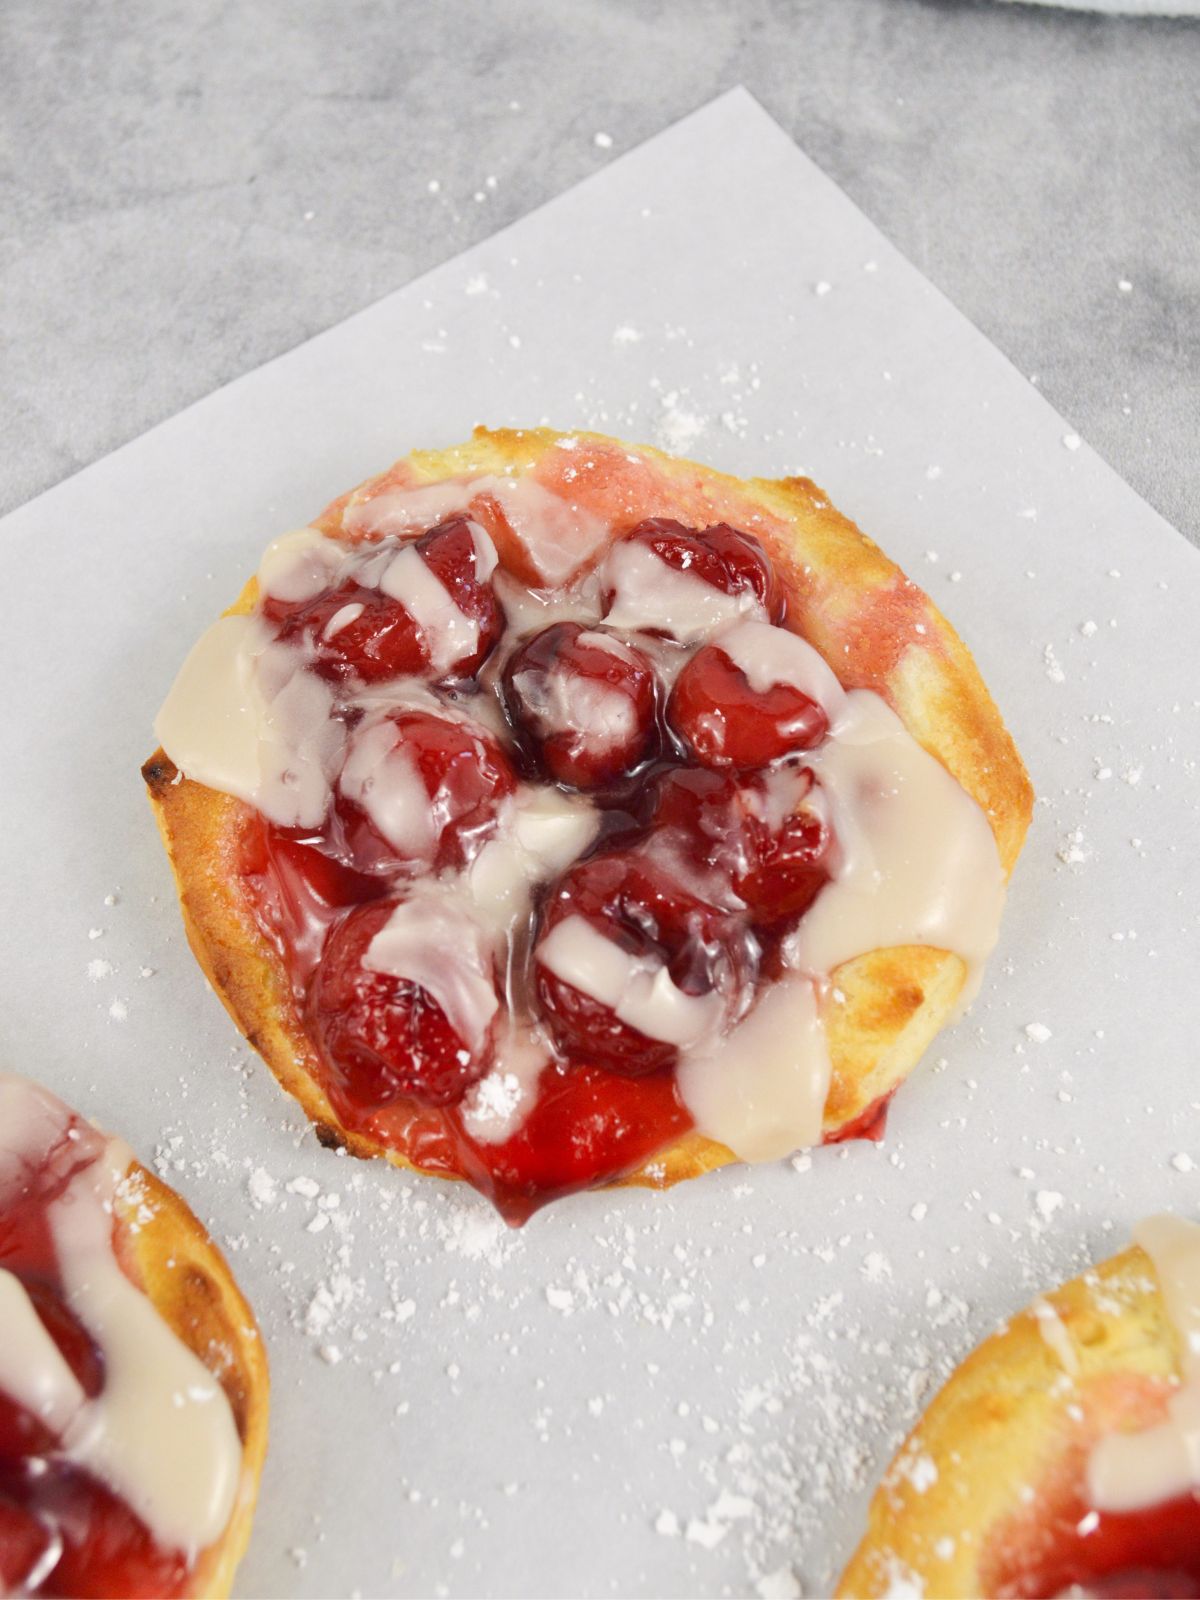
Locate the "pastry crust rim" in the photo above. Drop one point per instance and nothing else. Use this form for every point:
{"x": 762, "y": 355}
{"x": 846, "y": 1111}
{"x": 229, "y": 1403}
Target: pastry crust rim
{"x": 167, "y": 1251}
{"x": 894, "y": 1001}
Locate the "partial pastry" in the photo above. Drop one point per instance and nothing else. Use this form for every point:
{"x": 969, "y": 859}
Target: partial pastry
{"x": 133, "y": 1382}
{"x": 554, "y": 813}
{"x": 1063, "y": 1456}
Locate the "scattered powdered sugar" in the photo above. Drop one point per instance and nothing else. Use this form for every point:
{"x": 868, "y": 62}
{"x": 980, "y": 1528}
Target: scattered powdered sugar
{"x": 1048, "y": 1202}
{"x": 678, "y": 428}
{"x": 262, "y": 1188}
{"x": 1072, "y": 852}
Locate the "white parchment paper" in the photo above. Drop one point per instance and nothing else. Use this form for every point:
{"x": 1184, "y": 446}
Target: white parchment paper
{"x": 678, "y": 1395}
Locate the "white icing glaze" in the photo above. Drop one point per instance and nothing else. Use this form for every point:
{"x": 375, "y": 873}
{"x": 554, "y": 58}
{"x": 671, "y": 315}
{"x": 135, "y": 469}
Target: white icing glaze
{"x": 33, "y": 1372}
{"x": 381, "y": 776}
{"x": 541, "y": 831}
{"x": 916, "y": 863}
{"x": 342, "y": 618}
{"x": 611, "y": 645}
{"x": 564, "y": 701}
{"x": 647, "y": 593}
{"x": 1129, "y": 1471}
{"x": 559, "y": 537}
{"x": 496, "y": 1106}
{"x": 769, "y": 655}
{"x": 531, "y": 610}
{"x": 409, "y": 510}
{"x": 1057, "y": 1339}
{"x": 638, "y": 989}
{"x": 245, "y": 717}
{"x": 161, "y": 1432}
{"x": 431, "y": 940}
{"x": 486, "y": 559}
{"x": 449, "y": 634}
{"x": 761, "y": 1088}
{"x": 299, "y": 565}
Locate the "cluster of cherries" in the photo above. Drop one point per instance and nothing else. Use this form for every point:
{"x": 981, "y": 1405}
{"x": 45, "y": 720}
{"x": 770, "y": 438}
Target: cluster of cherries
{"x": 587, "y": 710}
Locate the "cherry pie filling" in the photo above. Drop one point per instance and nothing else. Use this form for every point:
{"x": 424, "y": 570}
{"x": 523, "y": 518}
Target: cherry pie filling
{"x": 707, "y": 843}
{"x": 1150, "y": 1554}
{"x": 62, "y": 1531}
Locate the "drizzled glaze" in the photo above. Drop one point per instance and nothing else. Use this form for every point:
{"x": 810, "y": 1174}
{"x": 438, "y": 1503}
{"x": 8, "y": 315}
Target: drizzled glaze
{"x": 118, "y": 1448}
{"x": 1129, "y": 1471}
{"x": 913, "y": 859}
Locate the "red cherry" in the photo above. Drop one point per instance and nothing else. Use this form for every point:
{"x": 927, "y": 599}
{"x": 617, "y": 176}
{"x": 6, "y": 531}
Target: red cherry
{"x": 378, "y": 641}
{"x": 640, "y": 907}
{"x": 450, "y": 553}
{"x": 25, "y": 1541}
{"x": 106, "y": 1548}
{"x": 381, "y": 639}
{"x": 757, "y": 833}
{"x": 585, "y": 703}
{"x": 385, "y": 1037}
{"x": 420, "y": 790}
{"x": 730, "y": 560}
{"x": 724, "y": 723}
{"x": 791, "y": 870}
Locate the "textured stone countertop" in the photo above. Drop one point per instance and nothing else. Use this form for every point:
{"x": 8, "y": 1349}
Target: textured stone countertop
{"x": 192, "y": 186}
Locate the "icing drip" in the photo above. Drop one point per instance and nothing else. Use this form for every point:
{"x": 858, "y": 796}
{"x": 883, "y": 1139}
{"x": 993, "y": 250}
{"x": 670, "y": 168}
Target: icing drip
{"x": 647, "y": 593}
{"x": 160, "y": 1433}
{"x": 245, "y": 717}
{"x": 449, "y": 633}
{"x": 381, "y": 776}
{"x": 530, "y": 610}
{"x": 769, "y": 655}
{"x": 496, "y": 1106}
{"x": 558, "y": 538}
{"x": 916, "y": 864}
{"x": 298, "y": 566}
{"x": 433, "y": 942}
{"x": 541, "y": 832}
{"x": 1130, "y": 1471}
{"x": 761, "y": 1089}
{"x": 564, "y": 701}
{"x": 639, "y": 990}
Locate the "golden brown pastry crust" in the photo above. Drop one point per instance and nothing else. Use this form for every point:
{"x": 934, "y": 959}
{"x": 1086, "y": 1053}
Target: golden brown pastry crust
{"x": 164, "y": 1249}
{"x": 1007, "y": 1422}
{"x": 847, "y": 599}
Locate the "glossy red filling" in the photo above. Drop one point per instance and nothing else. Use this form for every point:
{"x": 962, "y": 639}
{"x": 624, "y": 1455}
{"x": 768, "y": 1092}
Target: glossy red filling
{"x": 62, "y": 1532}
{"x": 1137, "y": 1555}
{"x": 393, "y": 1064}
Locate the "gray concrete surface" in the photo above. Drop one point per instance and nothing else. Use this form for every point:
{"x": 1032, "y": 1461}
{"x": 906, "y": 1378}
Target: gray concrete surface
{"x": 190, "y": 187}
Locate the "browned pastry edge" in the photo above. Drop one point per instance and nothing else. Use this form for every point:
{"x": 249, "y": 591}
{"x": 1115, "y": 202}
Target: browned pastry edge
{"x": 847, "y": 599}
{"x": 166, "y": 1251}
